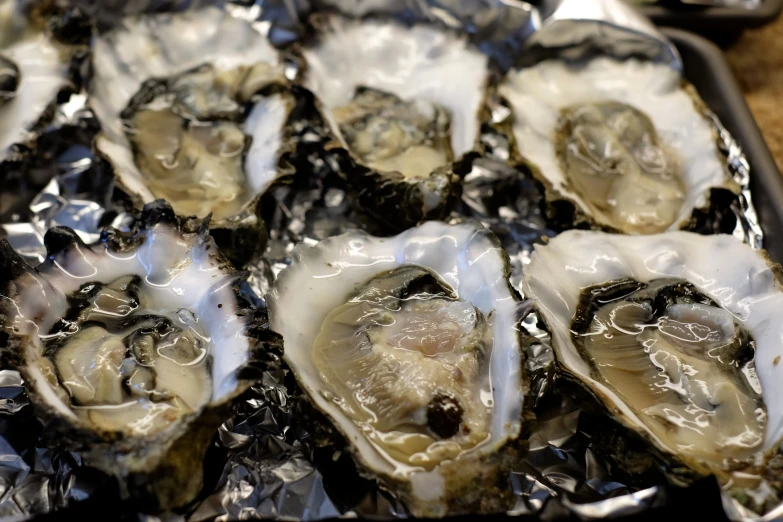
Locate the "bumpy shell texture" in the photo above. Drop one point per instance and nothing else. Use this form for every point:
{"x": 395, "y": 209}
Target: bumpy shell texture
{"x": 539, "y": 93}
{"x": 420, "y": 65}
{"x": 470, "y": 261}
{"x": 181, "y": 269}
{"x": 141, "y": 55}
{"x": 748, "y": 287}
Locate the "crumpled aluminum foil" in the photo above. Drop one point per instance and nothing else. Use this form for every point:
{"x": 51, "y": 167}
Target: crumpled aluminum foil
{"x": 748, "y": 228}
{"x": 264, "y": 463}
{"x": 574, "y": 26}
{"x": 76, "y": 193}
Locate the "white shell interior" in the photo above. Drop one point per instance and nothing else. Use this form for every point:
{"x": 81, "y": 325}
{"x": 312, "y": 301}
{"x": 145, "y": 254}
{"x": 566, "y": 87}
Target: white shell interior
{"x": 537, "y": 94}
{"x": 413, "y": 63}
{"x": 163, "y": 45}
{"x": 43, "y": 73}
{"x": 181, "y": 274}
{"x": 731, "y": 273}
{"x": 325, "y": 276}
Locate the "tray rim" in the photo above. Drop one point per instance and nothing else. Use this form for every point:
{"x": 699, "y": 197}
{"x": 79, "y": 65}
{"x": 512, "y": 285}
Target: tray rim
{"x": 766, "y": 176}
{"x": 764, "y": 172}
{"x": 716, "y": 19}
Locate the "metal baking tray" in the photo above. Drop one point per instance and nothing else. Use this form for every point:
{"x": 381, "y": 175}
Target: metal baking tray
{"x": 719, "y": 23}
{"x": 706, "y": 68}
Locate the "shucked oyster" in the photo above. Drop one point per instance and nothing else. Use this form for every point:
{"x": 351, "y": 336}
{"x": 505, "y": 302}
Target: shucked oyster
{"x": 404, "y": 102}
{"x": 133, "y": 349}
{"x": 194, "y": 108}
{"x": 679, "y": 348}
{"x": 409, "y": 346}
{"x": 624, "y": 141}
{"x": 33, "y": 70}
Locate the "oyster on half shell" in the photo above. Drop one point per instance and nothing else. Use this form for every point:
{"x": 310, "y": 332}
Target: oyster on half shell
{"x": 33, "y": 71}
{"x": 134, "y": 349}
{"x": 404, "y": 103}
{"x": 678, "y": 347}
{"x": 408, "y": 348}
{"x": 195, "y": 109}
{"x": 627, "y": 143}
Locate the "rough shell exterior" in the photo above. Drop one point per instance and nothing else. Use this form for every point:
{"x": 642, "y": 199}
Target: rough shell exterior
{"x": 162, "y": 470}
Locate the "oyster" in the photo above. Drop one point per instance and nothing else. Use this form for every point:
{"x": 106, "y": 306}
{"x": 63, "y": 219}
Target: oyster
{"x": 133, "y": 349}
{"x": 626, "y": 142}
{"x": 195, "y": 109}
{"x": 404, "y": 106}
{"x": 33, "y": 71}
{"x": 409, "y": 347}
{"x": 680, "y": 348}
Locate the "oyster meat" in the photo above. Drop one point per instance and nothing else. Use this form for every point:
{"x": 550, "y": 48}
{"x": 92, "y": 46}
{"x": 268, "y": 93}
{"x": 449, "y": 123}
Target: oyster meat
{"x": 678, "y": 348}
{"x": 626, "y": 142}
{"x": 405, "y": 106}
{"x": 390, "y": 135}
{"x": 33, "y": 70}
{"x": 194, "y": 108}
{"x": 133, "y": 349}
{"x": 409, "y": 347}
{"x": 680, "y": 361}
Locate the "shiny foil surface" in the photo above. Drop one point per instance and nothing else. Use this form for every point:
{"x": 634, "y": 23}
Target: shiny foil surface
{"x": 263, "y": 461}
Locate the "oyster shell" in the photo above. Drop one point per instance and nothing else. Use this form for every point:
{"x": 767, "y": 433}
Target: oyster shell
{"x": 134, "y": 349}
{"x": 408, "y": 346}
{"x": 404, "y": 106}
{"x": 195, "y": 109}
{"x": 680, "y": 348}
{"x": 626, "y": 142}
{"x": 33, "y": 71}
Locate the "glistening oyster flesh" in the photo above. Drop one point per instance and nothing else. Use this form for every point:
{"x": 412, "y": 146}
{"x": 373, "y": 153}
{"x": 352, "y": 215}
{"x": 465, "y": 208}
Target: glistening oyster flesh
{"x": 405, "y": 106}
{"x": 627, "y": 142}
{"x": 409, "y": 347}
{"x": 195, "y": 109}
{"x": 133, "y": 349}
{"x": 678, "y": 348}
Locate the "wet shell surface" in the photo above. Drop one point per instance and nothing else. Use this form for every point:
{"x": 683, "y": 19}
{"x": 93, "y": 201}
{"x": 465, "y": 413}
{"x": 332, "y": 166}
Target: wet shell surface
{"x": 680, "y": 347}
{"x": 405, "y": 350}
{"x": 405, "y": 105}
{"x": 133, "y": 349}
{"x": 408, "y": 346}
{"x": 627, "y": 142}
{"x": 194, "y": 108}
{"x": 33, "y": 70}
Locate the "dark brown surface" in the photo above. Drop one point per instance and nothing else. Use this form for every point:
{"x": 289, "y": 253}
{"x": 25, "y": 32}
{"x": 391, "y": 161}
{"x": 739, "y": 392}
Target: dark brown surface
{"x": 757, "y": 61}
